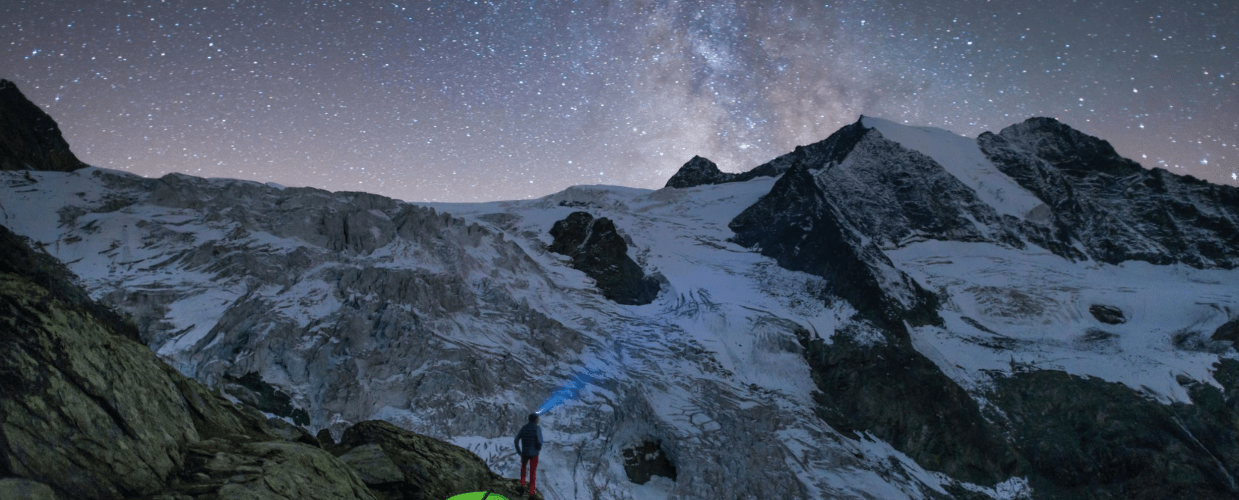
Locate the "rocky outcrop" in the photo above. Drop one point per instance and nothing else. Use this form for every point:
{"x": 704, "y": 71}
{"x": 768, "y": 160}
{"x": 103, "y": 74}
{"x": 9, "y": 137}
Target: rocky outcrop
{"x": 1114, "y": 208}
{"x": 29, "y": 138}
{"x": 891, "y": 390}
{"x": 402, "y": 465}
{"x": 806, "y": 225}
{"x": 1109, "y": 315}
{"x": 598, "y": 250}
{"x": 700, "y": 171}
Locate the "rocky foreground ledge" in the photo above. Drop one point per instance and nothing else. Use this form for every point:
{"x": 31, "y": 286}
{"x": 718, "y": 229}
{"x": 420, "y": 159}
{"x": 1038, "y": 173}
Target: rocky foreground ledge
{"x": 88, "y": 412}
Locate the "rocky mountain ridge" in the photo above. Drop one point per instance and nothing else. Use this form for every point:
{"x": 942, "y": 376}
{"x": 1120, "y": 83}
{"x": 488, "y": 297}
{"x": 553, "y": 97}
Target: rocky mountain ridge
{"x": 893, "y": 312}
{"x": 29, "y": 138}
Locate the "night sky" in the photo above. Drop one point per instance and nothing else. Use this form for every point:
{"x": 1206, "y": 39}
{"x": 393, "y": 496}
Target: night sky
{"x": 489, "y": 100}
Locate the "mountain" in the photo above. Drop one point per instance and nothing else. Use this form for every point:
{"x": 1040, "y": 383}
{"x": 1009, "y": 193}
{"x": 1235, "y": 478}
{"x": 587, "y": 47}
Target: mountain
{"x": 893, "y": 312}
{"x": 29, "y": 138}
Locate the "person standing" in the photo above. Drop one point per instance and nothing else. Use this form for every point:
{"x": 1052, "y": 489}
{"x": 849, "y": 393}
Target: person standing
{"x": 528, "y": 444}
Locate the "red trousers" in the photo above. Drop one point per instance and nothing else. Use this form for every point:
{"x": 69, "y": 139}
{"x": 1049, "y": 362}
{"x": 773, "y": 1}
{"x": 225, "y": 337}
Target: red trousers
{"x": 533, "y": 471}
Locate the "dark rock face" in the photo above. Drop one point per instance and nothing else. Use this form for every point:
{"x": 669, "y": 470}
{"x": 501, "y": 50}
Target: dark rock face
{"x": 1109, "y": 315}
{"x": 29, "y": 138}
{"x": 1117, "y": 210}
{"x": 1068, "y": 149}
{"x": 1086, "y": 438}
{"x": 646, "y": 461}
{"x": 805, "y": 226}
{"x": 1228, "y": 332}
{"x": 601, "y": 253}
{"x": 894, "y": 392}
{"x": 398, "y": 464}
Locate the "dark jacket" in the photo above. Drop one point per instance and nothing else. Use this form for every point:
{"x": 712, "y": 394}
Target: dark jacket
{"x": 529, "y": 440}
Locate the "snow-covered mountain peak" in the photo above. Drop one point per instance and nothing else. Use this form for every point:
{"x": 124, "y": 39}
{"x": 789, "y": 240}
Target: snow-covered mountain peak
{"x": 1067, "y": 148}
{"x": 962, "y": 157}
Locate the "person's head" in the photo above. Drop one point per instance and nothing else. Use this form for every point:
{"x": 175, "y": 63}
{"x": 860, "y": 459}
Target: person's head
{"x": 533, "y": 418}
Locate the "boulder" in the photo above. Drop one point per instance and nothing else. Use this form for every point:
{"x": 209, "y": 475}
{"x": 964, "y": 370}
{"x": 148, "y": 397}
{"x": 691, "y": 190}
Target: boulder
{"x": 1109, "y": 315}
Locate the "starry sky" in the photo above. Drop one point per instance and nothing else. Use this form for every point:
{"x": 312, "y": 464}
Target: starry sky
{"x": 490, "y": 100}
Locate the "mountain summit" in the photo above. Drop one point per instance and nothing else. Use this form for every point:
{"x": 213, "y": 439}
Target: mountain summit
{"x": 29, "y": 138}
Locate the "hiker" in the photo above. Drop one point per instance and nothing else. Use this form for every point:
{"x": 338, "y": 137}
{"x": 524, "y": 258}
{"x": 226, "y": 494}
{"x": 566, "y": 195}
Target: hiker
{"x": 528, "y": 444}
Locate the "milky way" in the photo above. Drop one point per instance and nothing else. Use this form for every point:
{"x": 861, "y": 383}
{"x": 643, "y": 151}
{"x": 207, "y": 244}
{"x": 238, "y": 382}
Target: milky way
{"x": 466, "y": 101}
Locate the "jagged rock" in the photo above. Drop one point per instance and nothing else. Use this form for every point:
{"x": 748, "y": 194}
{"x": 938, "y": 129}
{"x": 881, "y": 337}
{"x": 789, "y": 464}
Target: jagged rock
{"x": 1068, "y": 149}
{"x": 281, "y": 429}
{"x": 645, "y": 461}
{"x": 409, "y": 465}
{"x": 1109, "y": 315}
{"x": 25, "y": 489}
{"x": 1115, "y": 209}
{"x": 601, "y": 253}
{"x": 700, "y": 171}
{"x": 29, "y": 138}
{"x": 325, "y": 439}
